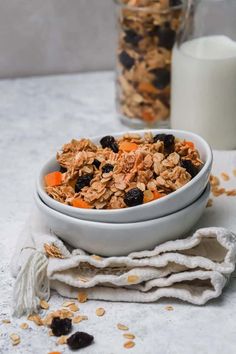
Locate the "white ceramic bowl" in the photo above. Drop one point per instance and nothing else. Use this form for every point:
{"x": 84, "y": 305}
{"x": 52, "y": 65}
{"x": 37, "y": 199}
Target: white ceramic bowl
{"x": 109, "y": 239}
{"x": 158, "y": 208}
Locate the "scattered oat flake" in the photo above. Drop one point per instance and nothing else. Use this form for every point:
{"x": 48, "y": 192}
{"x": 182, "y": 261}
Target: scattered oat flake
{"x": 129, "y": 336}
{"x": 100, "y": 311}
{"x": 52, "y": 251}
{"x": 24, "y": 325}
{"x": 74, "y": 308}
{"x": 129, "y": 344}
{"x": 169, "y": 308}
{"x": 218, "y": 191}
{"x": 62, "y": 340}
{"x": 234, "y": 172}
{"x": 97, "y": 258}
{"x": 122, "y": 327}
{"x": 231, "y": 193}
{"x": 36, "y": 319}
{"x": 6, "y": 321}
{"x": 82, "y": 297}
{"x": 133, "y": 279}
{"x": 44, "y": 304}
{"x": 214, "y": 181}
{"x": 79, "y": 319}
{"x": 68, "y": 303}
{"x": 209, "y": 203}
{"x": 225, "y": 176}
{"x": 15, "y": 338}
{"x": 63, "y": 313}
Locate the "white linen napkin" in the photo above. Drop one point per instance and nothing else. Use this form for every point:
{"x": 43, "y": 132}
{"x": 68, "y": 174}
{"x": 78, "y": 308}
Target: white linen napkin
{"x": 194, "y": 269}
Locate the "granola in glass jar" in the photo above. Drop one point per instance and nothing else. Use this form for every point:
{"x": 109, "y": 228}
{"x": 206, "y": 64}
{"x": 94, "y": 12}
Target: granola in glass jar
{"x": 146, "y": 35}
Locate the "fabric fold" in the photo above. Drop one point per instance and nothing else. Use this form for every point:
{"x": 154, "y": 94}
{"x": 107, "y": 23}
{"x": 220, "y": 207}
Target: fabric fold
{"x": 194, "y": 269}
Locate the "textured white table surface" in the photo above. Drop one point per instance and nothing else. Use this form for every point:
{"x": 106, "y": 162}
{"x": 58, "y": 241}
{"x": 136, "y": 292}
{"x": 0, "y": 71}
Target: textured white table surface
{"x": 37, "y": 116}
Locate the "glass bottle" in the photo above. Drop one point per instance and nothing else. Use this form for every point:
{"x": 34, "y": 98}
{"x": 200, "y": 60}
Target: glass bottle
{"x": 146, "y": 35}
{"x": 204, "y": 72}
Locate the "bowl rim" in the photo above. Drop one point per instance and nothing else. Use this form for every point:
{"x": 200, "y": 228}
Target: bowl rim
{"x": 204, "y": 195}
{"x": 159, "y": 202}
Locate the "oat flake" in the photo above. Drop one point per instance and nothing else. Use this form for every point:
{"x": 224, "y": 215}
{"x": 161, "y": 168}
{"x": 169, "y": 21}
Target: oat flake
{"x": 129, "y": 344}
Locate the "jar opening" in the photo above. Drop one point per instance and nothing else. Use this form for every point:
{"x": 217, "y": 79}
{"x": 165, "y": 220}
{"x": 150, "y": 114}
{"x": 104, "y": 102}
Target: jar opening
{"x": 147, "y": 8}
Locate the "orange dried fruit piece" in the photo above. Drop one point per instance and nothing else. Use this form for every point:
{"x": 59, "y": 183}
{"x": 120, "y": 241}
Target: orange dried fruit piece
{"x": 53, "y": 179}
{"x": 80, "y": 203}
{"x": 157, "y": 195}
{"x": 147, "y": 87}
{"x": 148, "y": 196}
{"x": 128, "y": 146}
{"x": 148, "y": 116}
{"x": 190, "y": 144}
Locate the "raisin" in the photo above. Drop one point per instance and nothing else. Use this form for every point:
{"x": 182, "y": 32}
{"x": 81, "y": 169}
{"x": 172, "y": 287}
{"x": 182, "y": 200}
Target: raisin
{"x": 126, "y": 60}
{"x": 133, "y": 197}
{"x": 162, "y": 78}
{"x": 79, "y": 340}
{"x": 83, "y": 181}
{"x": 61, "y": 326}
{"x": 109, "y": 142}
{"x": 175, "y": 2}
{"x": 189, "y": 167}
{"x": 166, "y": 36}
{"x": 160, "y": 137}
{"x": 63, "y": 169}
{"x": 96, "y": 163}
{"x": 168, "y": 140}
{"x": 132, "y": 37}
{"x": 107, "y": 168}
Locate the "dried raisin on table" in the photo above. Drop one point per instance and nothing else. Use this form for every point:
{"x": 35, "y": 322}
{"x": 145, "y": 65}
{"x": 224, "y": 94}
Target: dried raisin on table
{"x": 133, "y": 197}
{"x": 109, "y": 142}
{"x": 61, "y": 326}
{"x": 79, "y": 340}
{"x": 83, "y": 181}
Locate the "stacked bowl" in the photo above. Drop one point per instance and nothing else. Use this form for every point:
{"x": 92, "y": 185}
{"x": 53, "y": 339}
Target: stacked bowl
{"x": 121, "y": 231}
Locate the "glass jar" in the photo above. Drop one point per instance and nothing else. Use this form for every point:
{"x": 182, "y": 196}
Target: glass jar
{"x": 204, "y": 72}
{"x": 146, "y": 35}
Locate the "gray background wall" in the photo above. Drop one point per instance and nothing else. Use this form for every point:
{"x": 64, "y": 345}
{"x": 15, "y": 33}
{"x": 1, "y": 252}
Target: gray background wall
{"x": 40, "y": 37}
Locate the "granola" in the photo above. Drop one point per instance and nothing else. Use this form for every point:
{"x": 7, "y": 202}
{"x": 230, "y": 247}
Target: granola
{"x": 142, "y": 169}
{"x": 147, "y": 32}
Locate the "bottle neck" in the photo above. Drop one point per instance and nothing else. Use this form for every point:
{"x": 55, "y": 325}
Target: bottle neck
{"x": 208, "y": 18}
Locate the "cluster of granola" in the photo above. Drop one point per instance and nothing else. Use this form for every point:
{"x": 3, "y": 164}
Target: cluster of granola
{"x": 147, "y": 31}
{"x": 122, "y": 172}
